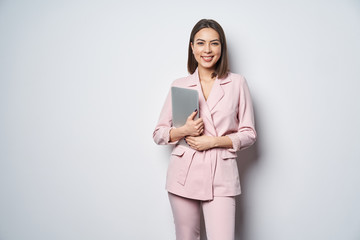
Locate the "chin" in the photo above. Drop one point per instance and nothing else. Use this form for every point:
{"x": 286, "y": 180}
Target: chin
{"x": 208, "y": 66}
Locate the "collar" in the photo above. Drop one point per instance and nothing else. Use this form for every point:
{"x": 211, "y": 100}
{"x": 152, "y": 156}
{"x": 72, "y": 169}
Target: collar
{"x": 194, "y": 80}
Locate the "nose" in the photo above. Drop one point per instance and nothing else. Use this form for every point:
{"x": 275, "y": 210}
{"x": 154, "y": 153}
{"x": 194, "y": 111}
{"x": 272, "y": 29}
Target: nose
{"x": 207, "y": 48}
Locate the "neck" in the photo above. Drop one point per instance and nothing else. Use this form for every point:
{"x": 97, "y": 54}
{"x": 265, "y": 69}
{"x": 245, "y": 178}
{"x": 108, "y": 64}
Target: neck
{"x": 205, "y": 74}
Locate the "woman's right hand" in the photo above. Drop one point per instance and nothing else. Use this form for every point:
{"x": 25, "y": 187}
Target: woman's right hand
{"x": 194, "y": 127}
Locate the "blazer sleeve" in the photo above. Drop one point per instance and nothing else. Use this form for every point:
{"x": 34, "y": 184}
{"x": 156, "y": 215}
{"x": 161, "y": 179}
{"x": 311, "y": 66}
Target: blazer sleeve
{"x": 246, "y": 134}
{"x": 161, "y": 134}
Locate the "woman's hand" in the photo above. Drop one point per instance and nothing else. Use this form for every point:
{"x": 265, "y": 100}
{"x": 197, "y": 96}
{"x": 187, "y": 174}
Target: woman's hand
{"x": 201, "y": 143}
{"x": 190, "y": 128}
{"x": 193, "y": 127}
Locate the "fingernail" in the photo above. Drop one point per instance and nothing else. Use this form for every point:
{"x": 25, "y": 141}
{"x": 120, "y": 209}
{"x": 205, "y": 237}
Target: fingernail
{"x": 195, "y": 110}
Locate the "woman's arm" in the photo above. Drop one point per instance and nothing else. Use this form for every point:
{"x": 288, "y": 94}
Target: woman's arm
{"x": 202, "y": 143}
{"x": 222, "y": 142}
{"x": 246, "y": 134}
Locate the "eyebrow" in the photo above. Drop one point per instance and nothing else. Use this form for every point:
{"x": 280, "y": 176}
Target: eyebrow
{"x": 215, "y": 40}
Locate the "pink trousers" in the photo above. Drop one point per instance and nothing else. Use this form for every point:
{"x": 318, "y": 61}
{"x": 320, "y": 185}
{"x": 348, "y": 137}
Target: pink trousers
{"x": 219, "y": 216}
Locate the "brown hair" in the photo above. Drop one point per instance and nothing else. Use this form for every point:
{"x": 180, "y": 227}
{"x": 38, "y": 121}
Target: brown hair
{"x": 222, "y": 65}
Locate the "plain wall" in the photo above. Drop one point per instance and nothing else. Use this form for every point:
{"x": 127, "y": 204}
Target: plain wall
{"x": 82, "y": 84}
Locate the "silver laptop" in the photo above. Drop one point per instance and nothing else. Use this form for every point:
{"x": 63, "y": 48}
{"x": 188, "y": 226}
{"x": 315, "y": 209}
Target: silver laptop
{"x": 184, "y": 102}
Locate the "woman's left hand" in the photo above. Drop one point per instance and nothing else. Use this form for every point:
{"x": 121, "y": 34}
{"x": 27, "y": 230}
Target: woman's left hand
{"x": 200, "y": 143}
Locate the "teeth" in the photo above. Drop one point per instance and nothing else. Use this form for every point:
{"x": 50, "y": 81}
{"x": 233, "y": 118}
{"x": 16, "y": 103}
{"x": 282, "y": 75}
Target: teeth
{"x": 207, "y": 58}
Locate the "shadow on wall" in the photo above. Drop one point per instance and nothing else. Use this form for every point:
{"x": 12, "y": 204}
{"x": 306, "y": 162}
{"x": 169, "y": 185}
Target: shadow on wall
{"x": 246, "y": 159}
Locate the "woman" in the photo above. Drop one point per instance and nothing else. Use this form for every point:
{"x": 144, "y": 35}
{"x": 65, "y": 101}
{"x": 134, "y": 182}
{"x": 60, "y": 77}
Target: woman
{"x": 204, "y": 175}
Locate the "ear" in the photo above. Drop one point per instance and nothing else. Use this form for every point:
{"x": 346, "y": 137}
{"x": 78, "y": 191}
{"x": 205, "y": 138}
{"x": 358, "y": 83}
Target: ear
{"x": 192, "y": 46}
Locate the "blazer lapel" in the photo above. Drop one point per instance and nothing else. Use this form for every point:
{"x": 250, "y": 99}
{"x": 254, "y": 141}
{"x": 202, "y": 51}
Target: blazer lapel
{"x": 217, "y": 92}
{"x": 205, "y": 112}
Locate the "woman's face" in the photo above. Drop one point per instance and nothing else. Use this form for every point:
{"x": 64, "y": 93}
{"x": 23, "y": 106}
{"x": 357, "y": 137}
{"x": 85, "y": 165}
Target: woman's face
{"x": 206, "y": 48}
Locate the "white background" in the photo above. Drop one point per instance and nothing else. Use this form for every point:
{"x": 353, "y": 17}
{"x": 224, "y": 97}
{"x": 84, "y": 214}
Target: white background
{"x": 81, "y": 88}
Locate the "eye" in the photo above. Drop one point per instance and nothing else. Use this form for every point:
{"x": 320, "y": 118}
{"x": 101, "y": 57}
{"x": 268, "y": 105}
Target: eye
{"x": 215, "y": 43}
{"x": 200, "y": 43}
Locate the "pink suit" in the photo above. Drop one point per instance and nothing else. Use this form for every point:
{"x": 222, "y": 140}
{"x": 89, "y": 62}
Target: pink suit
{"x": 228, "y": 112}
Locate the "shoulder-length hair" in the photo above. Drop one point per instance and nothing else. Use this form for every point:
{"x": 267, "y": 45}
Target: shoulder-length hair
{"x": 222, "y": 65}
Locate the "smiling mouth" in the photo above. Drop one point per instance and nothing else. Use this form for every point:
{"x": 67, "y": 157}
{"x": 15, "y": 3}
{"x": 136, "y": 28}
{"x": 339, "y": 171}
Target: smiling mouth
{"x": 207, "y": 59}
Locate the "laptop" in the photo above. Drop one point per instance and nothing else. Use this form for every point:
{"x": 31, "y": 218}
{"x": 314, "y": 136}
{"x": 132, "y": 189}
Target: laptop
{"x": 184, "y": 102}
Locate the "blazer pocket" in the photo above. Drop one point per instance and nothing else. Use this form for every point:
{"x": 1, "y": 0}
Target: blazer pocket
{"x": 229, "y": 166}
{"x": 226, "y": 154}
{"x": 178, "y": 152}
{"x": 183, "y": 156}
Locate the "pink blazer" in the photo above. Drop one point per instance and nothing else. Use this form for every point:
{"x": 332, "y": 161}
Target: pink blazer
{"x": 228, "y": 112}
